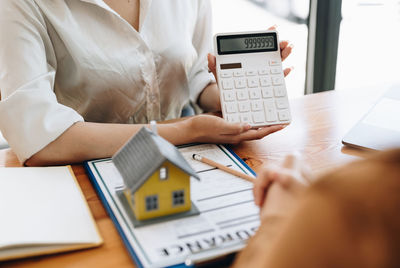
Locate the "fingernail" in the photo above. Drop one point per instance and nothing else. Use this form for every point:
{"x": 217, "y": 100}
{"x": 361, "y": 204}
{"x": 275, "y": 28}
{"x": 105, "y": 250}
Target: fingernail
{"x": 292, "y": 68}
{"x": 291, "y": 45}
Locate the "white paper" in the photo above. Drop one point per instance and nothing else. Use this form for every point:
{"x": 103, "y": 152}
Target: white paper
{"x": 43, "y": 206}
{"x": 228, "y": 213}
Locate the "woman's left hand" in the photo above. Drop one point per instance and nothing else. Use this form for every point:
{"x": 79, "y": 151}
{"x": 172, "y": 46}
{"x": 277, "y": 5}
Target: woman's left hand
{"x": 286, "y": 50}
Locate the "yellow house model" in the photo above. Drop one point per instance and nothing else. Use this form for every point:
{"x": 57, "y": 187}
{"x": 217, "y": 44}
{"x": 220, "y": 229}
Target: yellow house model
{"x": 156, "y": 176}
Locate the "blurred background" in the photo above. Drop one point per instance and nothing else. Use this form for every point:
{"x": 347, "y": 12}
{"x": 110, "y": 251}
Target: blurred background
{"x": 340, "y": 45}
{"x": 337, "y": 44}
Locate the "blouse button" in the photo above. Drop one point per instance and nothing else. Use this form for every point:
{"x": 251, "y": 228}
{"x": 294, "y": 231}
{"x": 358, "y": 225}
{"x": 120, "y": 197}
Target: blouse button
{"x": 153, "y": 97}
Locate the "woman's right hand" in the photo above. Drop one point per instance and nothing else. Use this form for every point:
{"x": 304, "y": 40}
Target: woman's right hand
{"x": 213, "y": 129}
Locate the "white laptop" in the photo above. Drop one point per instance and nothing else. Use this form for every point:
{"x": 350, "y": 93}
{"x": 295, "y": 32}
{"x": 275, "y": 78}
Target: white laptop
{"x": 379, "y": 129}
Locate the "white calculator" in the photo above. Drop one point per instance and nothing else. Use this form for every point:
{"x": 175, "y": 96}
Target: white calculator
{"x": 250, "y": 78}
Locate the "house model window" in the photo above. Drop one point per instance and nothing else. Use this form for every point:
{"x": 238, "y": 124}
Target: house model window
{"x": 151, "y": 202}
{"x": 163, "y": 173}
{"x": 178, "y": 198}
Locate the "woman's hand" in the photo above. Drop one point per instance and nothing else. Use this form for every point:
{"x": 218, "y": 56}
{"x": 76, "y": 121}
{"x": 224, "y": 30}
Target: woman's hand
{"x": 213, "y": 129}
{"x": 286, "y": 50}
{"x": 278, "y": 188}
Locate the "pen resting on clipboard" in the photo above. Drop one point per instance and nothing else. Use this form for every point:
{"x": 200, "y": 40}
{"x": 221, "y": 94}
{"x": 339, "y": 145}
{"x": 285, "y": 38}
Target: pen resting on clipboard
{"x": 224, "y": 168}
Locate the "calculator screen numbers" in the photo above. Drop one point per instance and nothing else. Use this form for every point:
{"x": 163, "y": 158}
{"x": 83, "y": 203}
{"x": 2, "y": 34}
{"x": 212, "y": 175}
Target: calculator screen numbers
{"x": 247, "y": 43}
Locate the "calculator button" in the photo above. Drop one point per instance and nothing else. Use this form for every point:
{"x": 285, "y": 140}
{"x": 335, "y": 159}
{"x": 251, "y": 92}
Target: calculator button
{"x": 270, "y": 111}
{"x": 240, "y": 83}
{"x": 256, "y": 105}
{"x": 263, "y": 72}
{"x": 277, "y": 80}
{"x": 265, "y": 81}
{"x": 227, "y": 84}
{"x": 258, "y": 117}
{"x": 242, "y": 95}
{"x": 281, "y": 103}
{"x": 255, "y": 93}
{"x": 273, "y": 62}
{"x": 230, "y": 108}
{"x": 270, "y": 115}
{"x": 244, "y": 106}
{"x": 252, "y": 82}
{"x": 279, "y": 91}
{"x": 276, "y": 70}
{"x": 229, "y": 96}
{"x": 269, "y": 104}
{"x": 233, "y": 118}
{"x": 284, "y": 115}
{"x": 225, "y": 74}
{"x": 267, "y": 92}
{"x": 251, "y": 72}
{"x": 238, "y": 73}
{"x": 246, "y": 118}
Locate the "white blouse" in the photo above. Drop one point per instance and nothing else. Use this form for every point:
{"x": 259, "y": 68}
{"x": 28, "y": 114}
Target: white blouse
{"x": 64, "y": 61}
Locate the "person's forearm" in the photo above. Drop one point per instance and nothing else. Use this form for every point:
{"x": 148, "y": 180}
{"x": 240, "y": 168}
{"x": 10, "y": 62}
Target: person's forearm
{"x": 209, "y": 99}
{"x": 84, "y": 141}
{"x": 255, "y": 252}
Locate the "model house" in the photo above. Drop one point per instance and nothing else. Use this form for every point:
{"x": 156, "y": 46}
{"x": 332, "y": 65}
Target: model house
{"x": 156, "y": 176}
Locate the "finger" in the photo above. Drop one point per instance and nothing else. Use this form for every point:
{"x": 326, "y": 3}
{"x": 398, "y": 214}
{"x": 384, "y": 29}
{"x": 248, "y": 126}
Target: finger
{"x": 262, "y": 183}
{"x": 286, "y": 52}
{"x": 212, "y": 63}
{"x": 289, "y": 178}
{"x": 287, "y": 71}
{"x": 273, "y": 27}
{"x": 232, "y": 129}
{"x": 260, "y": 133}
{"x": 294, "y": 171}
{"x": 256, "y": 134}
{"x": 292, "y": 161}
{"x": 284, "y": 179}
{"x": 283, "y": 44}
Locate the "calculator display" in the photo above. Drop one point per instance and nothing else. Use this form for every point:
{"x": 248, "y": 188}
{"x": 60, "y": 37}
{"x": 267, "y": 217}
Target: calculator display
{"x": 234, "y": 44}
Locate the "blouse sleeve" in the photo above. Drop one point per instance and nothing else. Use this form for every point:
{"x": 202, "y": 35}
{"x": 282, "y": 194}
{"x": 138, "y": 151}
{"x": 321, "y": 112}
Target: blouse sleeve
{"x": 199, "y": 77}
{"x": 30, "y": 116}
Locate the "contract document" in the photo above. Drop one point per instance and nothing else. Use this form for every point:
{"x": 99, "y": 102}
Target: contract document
{"x": 227, "y": 211}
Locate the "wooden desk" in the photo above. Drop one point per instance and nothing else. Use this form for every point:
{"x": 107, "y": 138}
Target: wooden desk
{"x": 319, "y": 123}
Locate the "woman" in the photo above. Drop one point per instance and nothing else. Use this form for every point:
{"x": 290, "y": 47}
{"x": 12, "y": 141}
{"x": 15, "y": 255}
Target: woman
{"x": 79, "y": 78}
{"x": 348, "y": 218}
